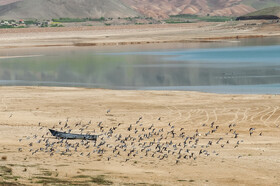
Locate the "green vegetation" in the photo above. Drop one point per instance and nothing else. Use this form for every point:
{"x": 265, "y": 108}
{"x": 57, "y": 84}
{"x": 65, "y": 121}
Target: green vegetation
{"x": 44, "y": 25}
{"x": 128, "y": 18}
{"x": 77, "y": 180}
{"x": 6, "y": 174}
{"x": 149, "y": 18}
{"x": 187, "y": 16}
{"x": 216, "y": 18}
{"x": 11, "y": 177}
{"x": 69, "y": 20}
{"x": 100, "y": 180}
{"x": 50, "y": 180}
{"x": 101, "y": 19}
{"x": 56, "y": 25}
{"x": 9, "y": 183}
{"x": 47, "y": 173}
{"x": 5, "y": 170}
{"x": 30, "y": 22}
{"x": 62, "y": 165}
{"x": 11, "y": 26}
{"x": 82, "y": 176}
{"x": 60, "y": 22}
{"x": 176, "y": 21}
{"x": 135, "y": 18}
{"x": 182, "y": 180}
{"x": 186, "y": 180}
{"x": 190, "y": 18}
{"x": 76, "y": 20}
{"x": 6, "y": 26}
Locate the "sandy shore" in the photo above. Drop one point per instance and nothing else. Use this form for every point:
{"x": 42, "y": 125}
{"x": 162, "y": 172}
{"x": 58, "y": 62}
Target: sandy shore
{"x": 29, "y": 156}
{"x": 135, "y": 34}
{"x": 246, "y": 160}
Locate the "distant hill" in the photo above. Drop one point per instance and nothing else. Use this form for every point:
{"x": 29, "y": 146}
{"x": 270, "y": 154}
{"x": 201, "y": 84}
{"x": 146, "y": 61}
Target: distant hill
{"x": 163, "y": 8}
{"x": 261, "y": 4}
{"x": 266, "y": 13}
{"x": 47, "y": 9}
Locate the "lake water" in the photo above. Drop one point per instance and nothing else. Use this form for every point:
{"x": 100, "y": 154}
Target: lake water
{"x": 237, "y": 66}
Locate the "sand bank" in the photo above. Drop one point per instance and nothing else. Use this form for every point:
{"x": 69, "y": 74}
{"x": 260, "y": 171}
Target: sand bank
{"x": 250, "y": 160}
{"x": 136, "y": 34}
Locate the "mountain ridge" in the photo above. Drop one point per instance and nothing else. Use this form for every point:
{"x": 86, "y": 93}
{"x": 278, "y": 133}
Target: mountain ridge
{"x": 47, "y": 9}
{"x": 159, "y": 9}
{"x": 164, "y": 8}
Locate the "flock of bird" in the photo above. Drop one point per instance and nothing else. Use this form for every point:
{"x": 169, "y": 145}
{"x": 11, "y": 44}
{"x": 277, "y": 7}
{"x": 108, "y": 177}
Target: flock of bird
{"x": 137, "y": 140}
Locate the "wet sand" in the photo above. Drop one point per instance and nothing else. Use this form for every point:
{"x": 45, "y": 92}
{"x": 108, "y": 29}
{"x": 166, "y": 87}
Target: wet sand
{"x": 246, "y": 160}
{"x": 136, "y": 34}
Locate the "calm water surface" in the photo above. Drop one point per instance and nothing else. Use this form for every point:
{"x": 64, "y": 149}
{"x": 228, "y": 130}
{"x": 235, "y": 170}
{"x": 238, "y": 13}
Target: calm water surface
{"x": 238, "y": 66}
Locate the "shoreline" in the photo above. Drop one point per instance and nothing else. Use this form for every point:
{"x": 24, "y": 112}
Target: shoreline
{"x": 136, "y": 35}
{"x": 47, "y": 87}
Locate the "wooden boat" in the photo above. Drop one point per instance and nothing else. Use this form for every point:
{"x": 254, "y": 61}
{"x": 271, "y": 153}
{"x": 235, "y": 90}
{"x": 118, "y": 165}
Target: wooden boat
{"x": 73, "y": 136}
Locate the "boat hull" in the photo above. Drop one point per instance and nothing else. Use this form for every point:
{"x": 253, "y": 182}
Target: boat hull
{"x": 65, "y": 135}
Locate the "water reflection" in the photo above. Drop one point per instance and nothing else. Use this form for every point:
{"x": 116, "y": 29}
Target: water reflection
{"x": 230, "y": 70}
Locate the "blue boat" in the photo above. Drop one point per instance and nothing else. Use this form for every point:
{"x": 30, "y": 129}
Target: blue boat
{"x": 65, "y": 135}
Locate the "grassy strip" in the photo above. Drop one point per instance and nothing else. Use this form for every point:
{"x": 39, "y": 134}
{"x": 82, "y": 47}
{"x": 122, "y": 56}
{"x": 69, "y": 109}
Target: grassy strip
{"x": 76, "y": 20}
{"x": 187, "y": 16}
{"x": 7, "y": 26}
{"x": 5, "y": 170}
{"x": 181, "y": 18}
{"x": 100, "y": 180}
{"x": 87, "y": 180}
{"x": 10, "y": 183}
{"x": 176, "y": 21}
{"x": 69, "y": 20}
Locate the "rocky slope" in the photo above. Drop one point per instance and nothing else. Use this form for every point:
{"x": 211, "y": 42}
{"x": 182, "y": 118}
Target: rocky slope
{"x": 46, "y": 9}
{"x": 267, "y": 11}
{"x": 128, "y": 8}
{"x": 163, "y": 8}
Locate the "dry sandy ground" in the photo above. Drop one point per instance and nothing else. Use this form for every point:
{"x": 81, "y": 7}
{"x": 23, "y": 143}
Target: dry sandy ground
{"x": 255, "y": 161}
{"x": 132, "y": 34}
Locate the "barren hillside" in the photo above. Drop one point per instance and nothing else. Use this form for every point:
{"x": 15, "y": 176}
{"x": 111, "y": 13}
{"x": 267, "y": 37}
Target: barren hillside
{"x": 46, "y": 9}
{"x": 163, "y": 8}
{"x": 267, "y": 11}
